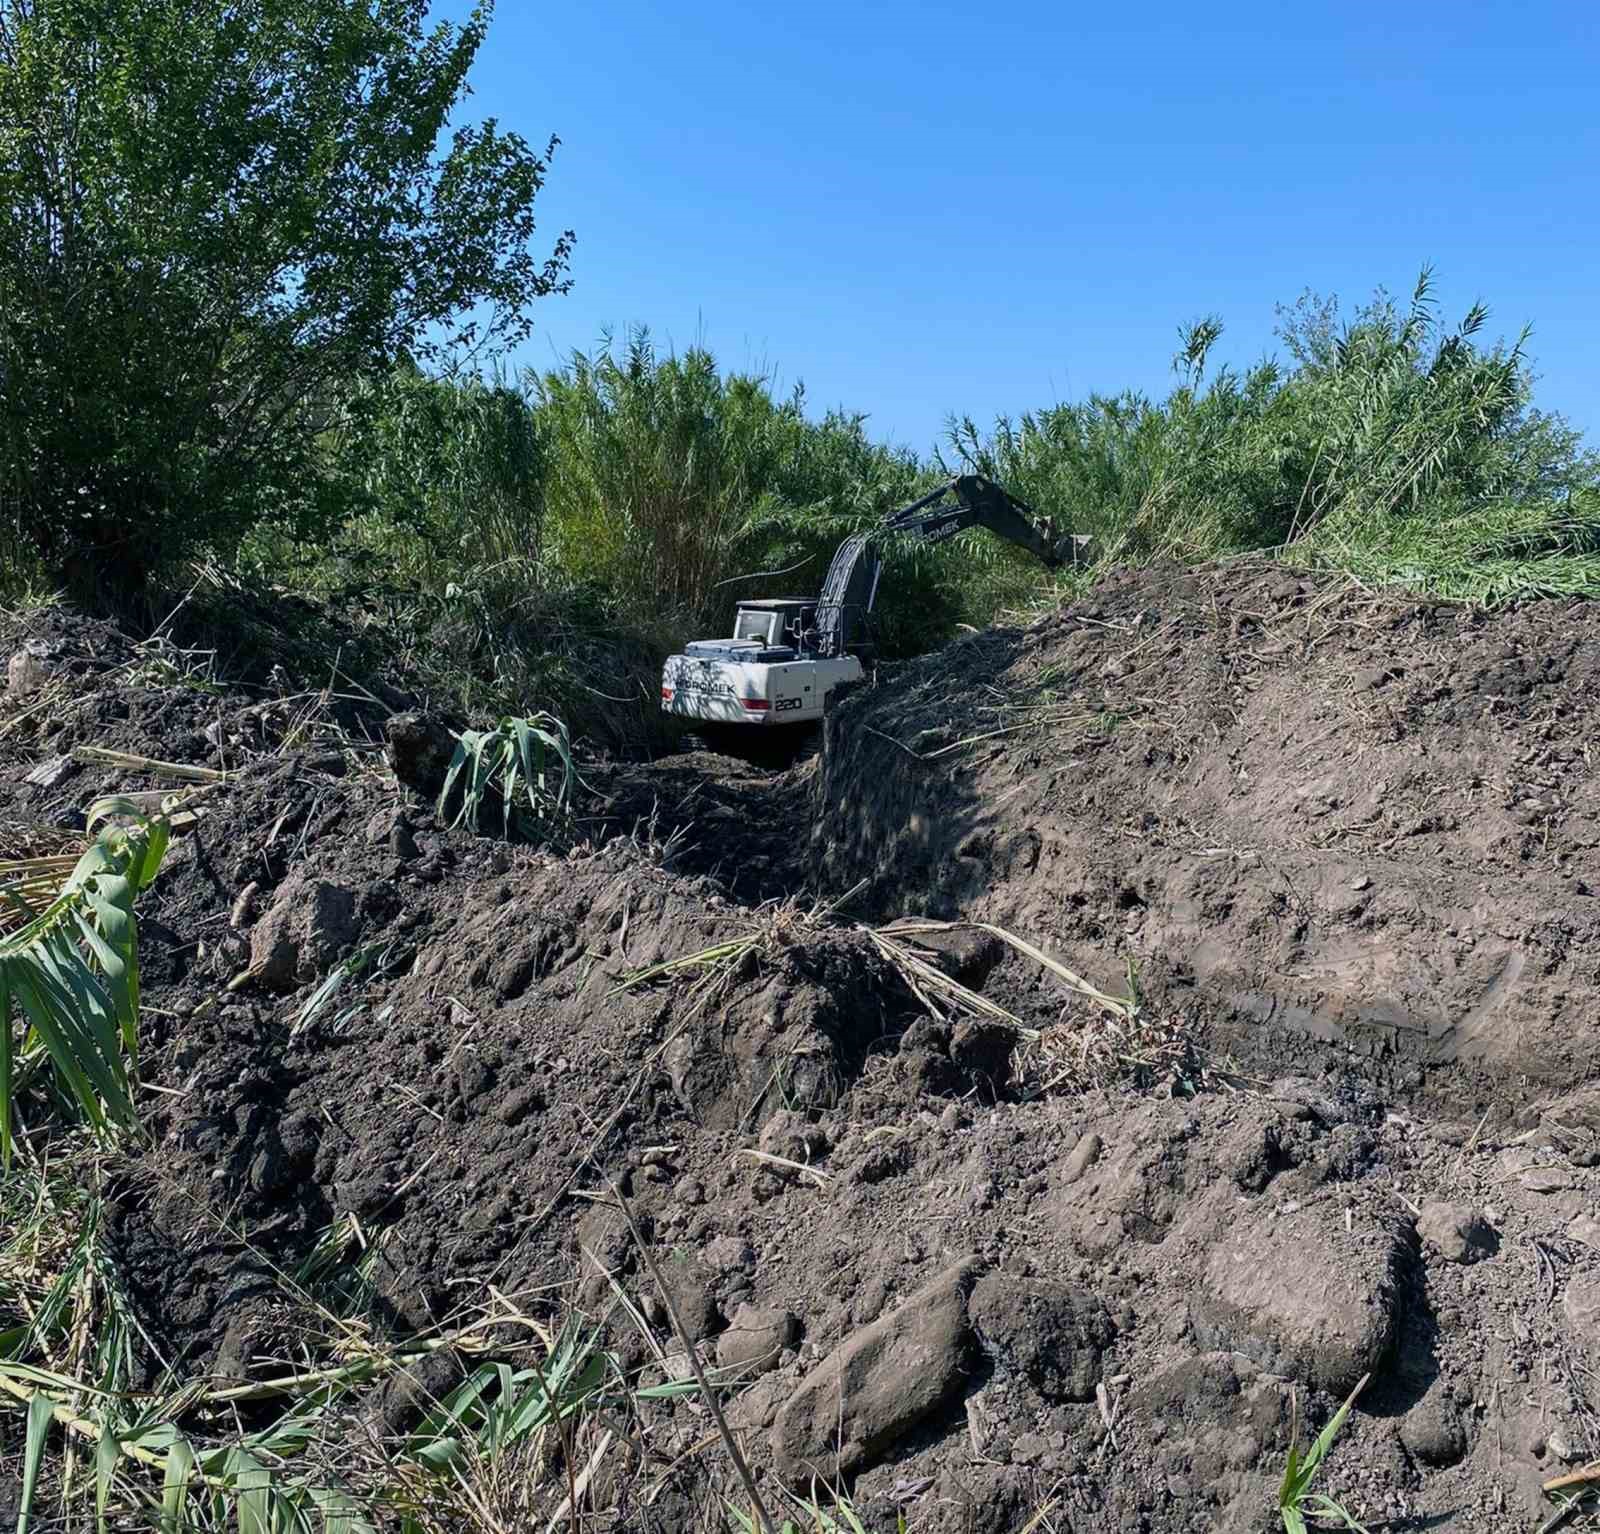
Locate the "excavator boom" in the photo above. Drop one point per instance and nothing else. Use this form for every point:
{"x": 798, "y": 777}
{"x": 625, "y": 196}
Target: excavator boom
{"x": 978, "y": 503}
{"x": 969, "y": 500}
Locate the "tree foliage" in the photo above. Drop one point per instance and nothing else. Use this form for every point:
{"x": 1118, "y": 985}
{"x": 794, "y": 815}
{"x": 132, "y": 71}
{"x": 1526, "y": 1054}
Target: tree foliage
{"x": 1391, "y": 445}
{"x": 214, "y": 216}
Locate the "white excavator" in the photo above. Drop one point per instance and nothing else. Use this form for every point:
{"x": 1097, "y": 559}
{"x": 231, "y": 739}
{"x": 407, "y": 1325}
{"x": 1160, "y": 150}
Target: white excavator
{"x": 788, "y": 654}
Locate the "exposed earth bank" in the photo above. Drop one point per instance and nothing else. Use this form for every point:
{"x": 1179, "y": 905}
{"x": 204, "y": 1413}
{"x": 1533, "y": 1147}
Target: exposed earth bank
{"x": 973, "y": 1251}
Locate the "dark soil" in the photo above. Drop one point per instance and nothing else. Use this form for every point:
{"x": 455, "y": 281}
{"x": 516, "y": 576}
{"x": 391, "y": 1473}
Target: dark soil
{"x": 1344, "y": 845}
{"x": 1314, "y": 813}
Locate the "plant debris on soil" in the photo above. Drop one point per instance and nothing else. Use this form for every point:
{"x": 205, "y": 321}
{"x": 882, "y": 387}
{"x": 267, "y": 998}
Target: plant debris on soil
{"x": 1248, "y": 1049}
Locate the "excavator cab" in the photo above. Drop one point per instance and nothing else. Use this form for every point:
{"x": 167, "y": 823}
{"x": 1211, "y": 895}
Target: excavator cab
{"x": 779, "y": 622}
{"x": 771, "y": 630}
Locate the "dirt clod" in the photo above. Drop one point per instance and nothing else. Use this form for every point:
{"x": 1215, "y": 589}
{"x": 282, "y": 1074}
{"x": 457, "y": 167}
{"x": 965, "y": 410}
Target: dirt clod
{"x": 1432, "y": 1431}
{"x": 1302, "y": 1297}
{"x": 1049, "y": 1333}
{"x": 309, "y": 924}
{"x": 756, "y": 1335}
{"x": 420, "y": 747}
{"x": 1457, "y": 1233}
{"x": 884, "y": 1380}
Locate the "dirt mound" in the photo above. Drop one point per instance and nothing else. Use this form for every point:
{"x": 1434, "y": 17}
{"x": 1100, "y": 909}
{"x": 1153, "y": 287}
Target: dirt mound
{"x": 1324, "y": 818}
{"x": 976, "y": 1259}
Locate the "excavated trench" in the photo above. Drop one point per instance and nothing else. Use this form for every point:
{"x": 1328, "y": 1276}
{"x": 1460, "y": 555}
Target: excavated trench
{"x": 1336, "y": 849}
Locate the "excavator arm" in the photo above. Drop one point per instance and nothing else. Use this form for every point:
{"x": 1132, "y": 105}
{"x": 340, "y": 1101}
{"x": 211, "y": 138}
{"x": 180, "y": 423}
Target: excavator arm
{"x": 979, "y": 502}
{"x": 969, "y": 500}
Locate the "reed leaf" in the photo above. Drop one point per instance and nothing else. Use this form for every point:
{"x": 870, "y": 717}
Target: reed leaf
{"x": 70, "y": 976}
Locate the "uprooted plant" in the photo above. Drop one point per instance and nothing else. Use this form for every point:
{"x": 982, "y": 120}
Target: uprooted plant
{"x": 523, "y": 765}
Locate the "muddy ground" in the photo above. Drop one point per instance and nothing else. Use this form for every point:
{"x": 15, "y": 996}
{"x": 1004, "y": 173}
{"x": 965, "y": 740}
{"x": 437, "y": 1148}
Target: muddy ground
{"x": 1339, "y": 850}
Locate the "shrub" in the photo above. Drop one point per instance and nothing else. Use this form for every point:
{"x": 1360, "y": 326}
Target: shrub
{"x": 1391, "y": 446}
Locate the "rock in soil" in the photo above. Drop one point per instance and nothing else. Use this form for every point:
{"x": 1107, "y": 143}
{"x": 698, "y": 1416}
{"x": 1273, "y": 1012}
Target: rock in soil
{"x": 885, "y": 1379}
{"x": 1456, "y": 1232}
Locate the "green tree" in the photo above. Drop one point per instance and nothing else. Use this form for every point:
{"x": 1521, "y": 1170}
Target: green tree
{"x": 214, "y": 216}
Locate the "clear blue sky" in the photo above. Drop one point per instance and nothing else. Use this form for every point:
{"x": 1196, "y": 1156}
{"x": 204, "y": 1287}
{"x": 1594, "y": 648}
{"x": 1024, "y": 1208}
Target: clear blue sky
{"x": 921, "y": 208}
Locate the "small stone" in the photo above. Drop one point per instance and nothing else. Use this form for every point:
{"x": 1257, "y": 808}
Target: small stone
{"x": 1082, "y": 1156}
{"x": 1457, "y": 1232}
{"x": 790, "y": 1135}
{"x": 690, "y": 1191}
{"x": 51, "y": 773}
{"x": 519, "y": 1104}
{"x": 420, "y": 748}
{"x": 1029, "y": 1449}
{"x": 1363, "y": 883}
{"x": 386, "y": 826}
{"x": 689, "y": 1285}
{"x": 408, "y": 1395}
{"x": 309, "y": 923}
{"x": 677, "y": 1367}
{"x": 1558, "y": 1443}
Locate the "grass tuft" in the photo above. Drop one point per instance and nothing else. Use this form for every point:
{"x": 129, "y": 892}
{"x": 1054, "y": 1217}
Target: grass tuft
{"x": 1297, "y": 1503}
